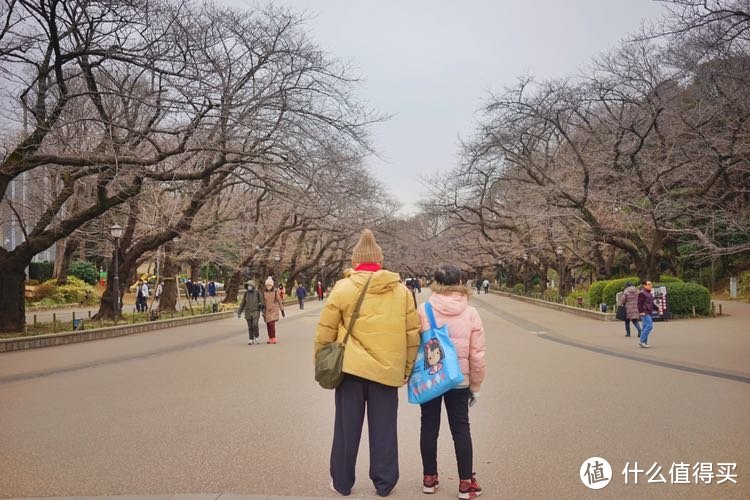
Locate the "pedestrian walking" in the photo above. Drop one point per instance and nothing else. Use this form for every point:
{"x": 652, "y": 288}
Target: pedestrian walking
{"x": 629, "y": 299}
{"x": 195, "y": 290}
{"x": 478, "y": 284}
{"x": 646, "y": 308}
{"x": 486, "y": 286}
{"x": 141, "y": 298}
{"x": 319, "y": 291}
{"x": 251, "y": 306}
{"x": 159, "y": 290}
{"x": 282, "y": 292}
{"x": 379, "y": 356}
{"x": 273, "y": 308}
{"x": 450, "y": 305}
{"x": 212, "y": 289}
{"x": 301, "y": 294}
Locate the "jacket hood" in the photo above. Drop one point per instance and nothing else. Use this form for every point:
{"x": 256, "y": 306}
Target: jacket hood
{"x": 450, "y": 303}
{"x": 631, "y": 289}
{"x": 382, "y": 281}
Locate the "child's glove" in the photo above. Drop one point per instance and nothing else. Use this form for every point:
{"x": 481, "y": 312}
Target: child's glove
{"x": 473, "y": 399}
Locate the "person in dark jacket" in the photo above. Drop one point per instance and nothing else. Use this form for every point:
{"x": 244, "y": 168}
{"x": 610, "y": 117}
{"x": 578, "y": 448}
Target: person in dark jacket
{"x": 646, "y": 308}
{"x": 629, "y": 299}
{"x": 301, "y": 294}
{"x": 251, "y": 306}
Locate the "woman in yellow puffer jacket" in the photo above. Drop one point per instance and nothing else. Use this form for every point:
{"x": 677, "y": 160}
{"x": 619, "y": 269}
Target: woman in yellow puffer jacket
{"x": 378, "y": 360}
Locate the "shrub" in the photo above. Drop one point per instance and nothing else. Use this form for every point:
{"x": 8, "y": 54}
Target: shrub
{"x": 681, "y": 297}
{"x": 41, "y": 271}
{"x": 596, "y": 290}
{"x": 616, "y": 286}
{"x": 572, "y": 299}
{"x": 666, "y": 278}
{"x": 518, "y": 289}
{"x": 85, "y": 270}
{"x": 44, "y": 291}
{"x": 75, "y": 291}
{"x": 551, "y": 294}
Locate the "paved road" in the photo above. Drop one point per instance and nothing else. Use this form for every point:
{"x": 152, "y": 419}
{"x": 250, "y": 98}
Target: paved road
{"x": 197, "y": 410}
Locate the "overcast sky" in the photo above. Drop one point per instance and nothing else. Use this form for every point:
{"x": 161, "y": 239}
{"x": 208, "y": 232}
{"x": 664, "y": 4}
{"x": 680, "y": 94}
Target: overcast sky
{"x": 431, "y": 64}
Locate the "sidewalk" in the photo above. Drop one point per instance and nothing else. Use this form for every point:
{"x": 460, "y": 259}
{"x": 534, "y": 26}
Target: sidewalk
{"x": 700, "y": 344}
{"x": 183, "y": 496}
{"x": 187, "y": 496}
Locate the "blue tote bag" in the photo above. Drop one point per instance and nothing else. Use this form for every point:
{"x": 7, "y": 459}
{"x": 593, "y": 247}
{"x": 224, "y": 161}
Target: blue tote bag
{"x": 436, "y": 369}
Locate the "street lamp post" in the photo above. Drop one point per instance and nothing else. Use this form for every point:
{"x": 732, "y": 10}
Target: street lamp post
{"x": 525, "y": 273}
{"x": 559, "y": 252}
{"x": 277, "y": 259}
{"x": 116, "y": 232}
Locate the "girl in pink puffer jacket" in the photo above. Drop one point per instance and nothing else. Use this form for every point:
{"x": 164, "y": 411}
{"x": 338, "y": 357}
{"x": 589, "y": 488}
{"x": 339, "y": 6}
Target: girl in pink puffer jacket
{"x": 450, "y": 304}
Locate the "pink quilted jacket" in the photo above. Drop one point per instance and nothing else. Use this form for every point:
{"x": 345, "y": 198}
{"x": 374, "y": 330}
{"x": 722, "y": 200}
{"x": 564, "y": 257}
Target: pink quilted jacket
{"x": 466, "y": 331}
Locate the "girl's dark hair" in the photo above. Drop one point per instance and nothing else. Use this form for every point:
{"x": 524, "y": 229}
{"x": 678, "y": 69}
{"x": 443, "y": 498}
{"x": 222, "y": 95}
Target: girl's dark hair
{"x": 447, "y": 275}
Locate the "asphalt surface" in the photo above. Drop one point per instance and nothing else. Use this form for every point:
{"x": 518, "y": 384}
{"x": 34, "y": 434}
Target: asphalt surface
{"x": 195, "y": 410}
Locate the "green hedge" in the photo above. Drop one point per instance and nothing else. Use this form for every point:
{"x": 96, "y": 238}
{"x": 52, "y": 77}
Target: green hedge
{"x": 518, "y": 289}
{"x": 665, "y": 278}
{"x": 680, "y": 295}
{"x": 41, "y": 271}
{"x": 614, "y": 287}
{"x": 85, "y": 270}
{"x": 681, "y": 298}
{"x": 595, "y": 292}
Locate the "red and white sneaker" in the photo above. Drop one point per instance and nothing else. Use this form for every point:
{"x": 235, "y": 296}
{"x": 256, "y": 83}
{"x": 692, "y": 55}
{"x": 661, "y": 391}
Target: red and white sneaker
{"x": 469, "y": 488}
{"x": 430, "y": 483}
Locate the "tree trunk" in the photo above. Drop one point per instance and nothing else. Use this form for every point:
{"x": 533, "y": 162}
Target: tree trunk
{"x": 12, "y": 302}
{"x": 71, "y": 245}
{"x": 106, "y": 306}
{"x": 195, "y": 270}
{"x": 168, "y": 298}
{"x": 232, "y": 288}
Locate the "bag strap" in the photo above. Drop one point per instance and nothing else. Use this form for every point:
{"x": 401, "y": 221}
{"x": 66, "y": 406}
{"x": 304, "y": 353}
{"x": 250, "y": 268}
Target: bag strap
{"x": 355, "y": 314}
{"x": 430, "y": 315}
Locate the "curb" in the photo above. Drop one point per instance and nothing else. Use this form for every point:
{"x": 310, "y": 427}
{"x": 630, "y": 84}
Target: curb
{"x": 53, "y": 339}
{"x": 560, "y": 307}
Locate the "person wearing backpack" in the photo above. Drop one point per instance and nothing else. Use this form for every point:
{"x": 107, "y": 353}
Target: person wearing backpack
{"x": 251, "y": 306}
{"x": 378, "y": 359}
{"x": 450, "y": 305}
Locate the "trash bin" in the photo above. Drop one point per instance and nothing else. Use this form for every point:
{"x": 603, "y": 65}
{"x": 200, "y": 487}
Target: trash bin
{"x": 214, "y": 307}
{"x": 77, "y": 324}
{"x": 579, "y": 301}
{"x": 603, "y": 307}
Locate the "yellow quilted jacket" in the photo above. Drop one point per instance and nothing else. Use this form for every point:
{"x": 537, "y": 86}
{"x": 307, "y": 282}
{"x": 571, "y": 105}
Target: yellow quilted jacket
{"x": 385, "y": 339}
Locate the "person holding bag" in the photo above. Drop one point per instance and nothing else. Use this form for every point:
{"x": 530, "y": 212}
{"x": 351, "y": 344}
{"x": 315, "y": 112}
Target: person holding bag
{"x": 450, "y": 307}
{"x": 274, "y": 307}
{"x": 378, "y": 356}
